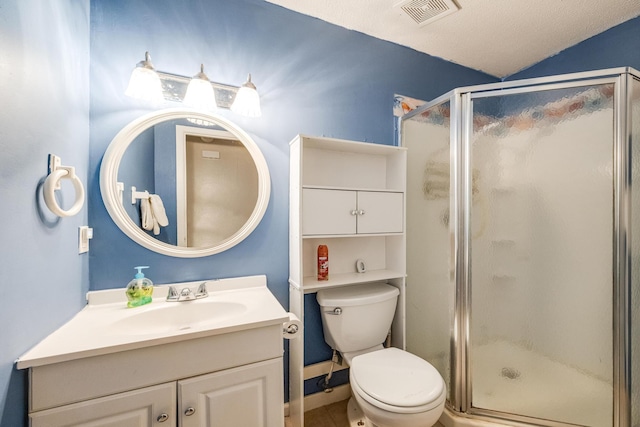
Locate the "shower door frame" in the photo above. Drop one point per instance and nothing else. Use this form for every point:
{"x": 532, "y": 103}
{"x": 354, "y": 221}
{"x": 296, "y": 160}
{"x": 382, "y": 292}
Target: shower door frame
{"x": 461, "y": 129}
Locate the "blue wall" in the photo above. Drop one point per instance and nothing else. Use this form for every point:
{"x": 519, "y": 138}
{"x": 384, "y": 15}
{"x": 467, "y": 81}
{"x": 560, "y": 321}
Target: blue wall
{"x": 616, "y": 47}
{"x": 44, "y": 81}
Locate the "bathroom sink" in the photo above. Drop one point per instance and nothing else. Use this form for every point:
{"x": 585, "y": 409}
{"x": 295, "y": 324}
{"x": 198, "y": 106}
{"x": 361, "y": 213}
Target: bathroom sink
{"x": 106, "y": 325}
{"x": 177, "y": 316}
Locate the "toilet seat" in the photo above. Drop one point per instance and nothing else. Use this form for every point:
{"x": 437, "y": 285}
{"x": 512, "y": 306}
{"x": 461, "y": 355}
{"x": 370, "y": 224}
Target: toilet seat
{"x": 397, "y": 381}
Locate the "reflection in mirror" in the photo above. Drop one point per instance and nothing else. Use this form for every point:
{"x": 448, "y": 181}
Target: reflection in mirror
{"x": 219, "y": 189}
{"x": 205, "y": 176}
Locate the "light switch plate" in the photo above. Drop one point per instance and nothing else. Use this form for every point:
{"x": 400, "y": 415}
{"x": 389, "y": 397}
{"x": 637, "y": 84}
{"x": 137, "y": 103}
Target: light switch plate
{"x": 85, "y": 233}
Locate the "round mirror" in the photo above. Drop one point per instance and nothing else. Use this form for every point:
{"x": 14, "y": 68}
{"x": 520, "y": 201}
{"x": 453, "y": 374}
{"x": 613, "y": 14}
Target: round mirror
{"x": 184, "y": 183}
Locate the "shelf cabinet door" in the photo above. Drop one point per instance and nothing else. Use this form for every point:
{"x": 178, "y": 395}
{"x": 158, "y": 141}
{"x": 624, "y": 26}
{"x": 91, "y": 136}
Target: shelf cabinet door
{"x": 328, "y": 212}
{"x": 342, "y": 212}
{"x": 380, "y": 212}
{"x": 248, "y": 396}
{"x": 152, "y": 406}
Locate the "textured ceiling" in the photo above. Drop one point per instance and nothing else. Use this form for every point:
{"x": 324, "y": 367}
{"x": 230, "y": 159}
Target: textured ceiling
{"x": 499, "y": 37}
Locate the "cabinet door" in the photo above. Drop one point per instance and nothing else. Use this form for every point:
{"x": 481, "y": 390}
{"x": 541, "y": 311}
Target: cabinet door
{"x": 328, "y": 211}
{"x": 380, "y": 212}
{"x": 248, "y": 396}
{"x": 151, "y": 406}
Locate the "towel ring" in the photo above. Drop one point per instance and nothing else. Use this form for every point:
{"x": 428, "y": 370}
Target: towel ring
{"x": 52, "y": 183}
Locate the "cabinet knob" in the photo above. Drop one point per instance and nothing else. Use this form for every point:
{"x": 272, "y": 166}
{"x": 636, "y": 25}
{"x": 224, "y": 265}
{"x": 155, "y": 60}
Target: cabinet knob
{"x": 162, "y": 418}
{"x": 189, "y": 411}
{"x": 361, "y": 212}
{"x": 354, "y": 212}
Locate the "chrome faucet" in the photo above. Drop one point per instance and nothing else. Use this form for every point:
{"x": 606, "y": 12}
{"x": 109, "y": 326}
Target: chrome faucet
{"x": 202, "y": 291}
{"x": 186, "y": 294}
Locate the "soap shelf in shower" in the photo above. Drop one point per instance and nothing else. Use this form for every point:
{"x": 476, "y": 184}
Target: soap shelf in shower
{"x": 503, "y": 279}
{"x": 503, "y": 242}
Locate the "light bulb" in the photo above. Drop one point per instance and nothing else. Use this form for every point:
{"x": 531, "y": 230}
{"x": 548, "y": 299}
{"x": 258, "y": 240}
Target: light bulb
{"x": 144, "y": 82}
{"x": 247, "y": 101}
{"x": 200, "y": 92}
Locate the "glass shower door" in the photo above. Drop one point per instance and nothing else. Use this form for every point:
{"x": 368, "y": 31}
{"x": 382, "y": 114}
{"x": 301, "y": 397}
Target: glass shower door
{"x": 430, "y": 275}
{"x": 540, "y": 197}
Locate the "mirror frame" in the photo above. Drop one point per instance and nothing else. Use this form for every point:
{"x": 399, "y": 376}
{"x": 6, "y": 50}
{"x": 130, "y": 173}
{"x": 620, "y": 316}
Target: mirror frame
{"x": 113, "y": 197}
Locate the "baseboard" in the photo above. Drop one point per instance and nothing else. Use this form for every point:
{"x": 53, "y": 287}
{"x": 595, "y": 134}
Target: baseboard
{"x": 322, "y": 368}
{"x": 317, "y": 400}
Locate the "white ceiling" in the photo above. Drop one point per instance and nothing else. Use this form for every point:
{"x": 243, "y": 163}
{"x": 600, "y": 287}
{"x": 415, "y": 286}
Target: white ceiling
{"x": 499, "y": 37}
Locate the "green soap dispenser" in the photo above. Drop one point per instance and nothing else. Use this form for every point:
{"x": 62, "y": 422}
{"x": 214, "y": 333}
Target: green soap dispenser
{"x": 139, "y": 290}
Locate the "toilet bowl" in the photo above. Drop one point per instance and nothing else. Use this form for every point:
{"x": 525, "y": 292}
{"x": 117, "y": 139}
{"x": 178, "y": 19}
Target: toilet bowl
{"x": 392, "y": 387}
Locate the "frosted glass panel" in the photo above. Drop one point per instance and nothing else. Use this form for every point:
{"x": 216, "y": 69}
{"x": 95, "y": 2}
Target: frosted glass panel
{"x": 430, "y": 286}
{"x": 635, "y": 251}
{"x": 541, "y": 254}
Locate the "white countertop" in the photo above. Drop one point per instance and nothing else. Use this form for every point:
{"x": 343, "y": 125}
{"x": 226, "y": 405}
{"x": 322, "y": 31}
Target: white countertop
{"x": 98, "y": 328}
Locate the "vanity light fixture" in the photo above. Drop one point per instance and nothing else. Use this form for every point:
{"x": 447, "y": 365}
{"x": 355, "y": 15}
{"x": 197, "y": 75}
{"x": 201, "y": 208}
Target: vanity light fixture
{"x": 247, "y": 102}
{"x": 199, "y": 92}
{"x": 145, "y": 82}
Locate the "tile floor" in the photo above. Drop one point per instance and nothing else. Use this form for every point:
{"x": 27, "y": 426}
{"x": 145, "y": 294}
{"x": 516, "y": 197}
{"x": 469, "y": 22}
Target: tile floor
{"x": 333, "y": 415}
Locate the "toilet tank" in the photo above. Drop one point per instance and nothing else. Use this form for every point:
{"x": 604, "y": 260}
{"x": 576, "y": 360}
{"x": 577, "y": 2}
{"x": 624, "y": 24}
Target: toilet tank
{"x": 365, "y": 315}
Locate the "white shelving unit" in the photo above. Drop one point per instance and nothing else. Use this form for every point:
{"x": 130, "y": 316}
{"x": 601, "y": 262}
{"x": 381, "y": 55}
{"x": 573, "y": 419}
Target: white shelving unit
{"x": 349, "y": 196}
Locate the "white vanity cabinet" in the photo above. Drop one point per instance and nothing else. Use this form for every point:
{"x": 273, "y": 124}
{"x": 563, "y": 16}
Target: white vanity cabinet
{"x": 349, "y": 196}
{"x": 147, "y": 407}
{"x": 221, "y": 368}
{"x": 235, "y": 397}
{"x": 248, "y": 396}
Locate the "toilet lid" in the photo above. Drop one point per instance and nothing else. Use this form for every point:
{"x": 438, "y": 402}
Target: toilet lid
{"x": 397, "y": 378}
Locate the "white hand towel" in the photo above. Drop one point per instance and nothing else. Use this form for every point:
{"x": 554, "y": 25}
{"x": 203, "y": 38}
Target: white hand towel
{"x": 158, "y": 210}
{"x": 146, "y": 215}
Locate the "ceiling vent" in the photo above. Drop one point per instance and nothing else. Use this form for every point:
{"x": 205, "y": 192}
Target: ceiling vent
{"x": 424, "y": 12}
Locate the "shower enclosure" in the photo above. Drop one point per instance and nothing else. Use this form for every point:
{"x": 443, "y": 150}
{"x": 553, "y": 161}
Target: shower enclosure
{"x": 523, "y": 248}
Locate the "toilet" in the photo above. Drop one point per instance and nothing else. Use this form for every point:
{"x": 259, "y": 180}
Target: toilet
{"x": 390, "y": 387}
